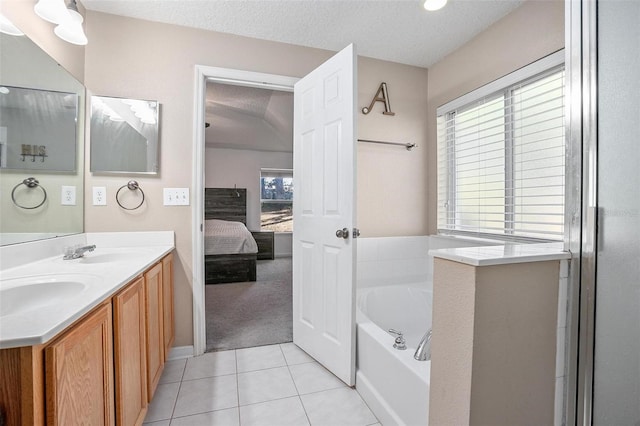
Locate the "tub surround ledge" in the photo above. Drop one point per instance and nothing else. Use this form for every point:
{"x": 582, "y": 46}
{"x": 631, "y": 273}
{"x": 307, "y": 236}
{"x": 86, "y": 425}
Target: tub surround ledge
{"x": 503, "y": 254}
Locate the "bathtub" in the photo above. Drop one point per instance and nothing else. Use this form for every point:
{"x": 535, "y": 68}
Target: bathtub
{"x": 393, "y": 384}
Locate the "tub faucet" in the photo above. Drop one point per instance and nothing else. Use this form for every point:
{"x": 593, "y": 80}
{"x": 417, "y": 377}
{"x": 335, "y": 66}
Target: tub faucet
{"x": 423, "y": 352}
{"x": 77, "y": 252}
{"x": 399, "y": 343}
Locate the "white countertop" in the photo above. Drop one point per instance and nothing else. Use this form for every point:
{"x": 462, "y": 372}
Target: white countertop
{"x": 109, "y": 268}
{"x": 503, "y": 254}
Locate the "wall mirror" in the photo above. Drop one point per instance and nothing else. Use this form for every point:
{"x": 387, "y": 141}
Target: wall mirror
{"x": 124, "y": 135}
{"x": 41, "y": 137}
{"x": 48, "y": 145}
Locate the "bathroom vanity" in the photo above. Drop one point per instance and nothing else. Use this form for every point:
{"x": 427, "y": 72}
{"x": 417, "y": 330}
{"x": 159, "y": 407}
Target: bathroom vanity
{"x": 98, "y": 354}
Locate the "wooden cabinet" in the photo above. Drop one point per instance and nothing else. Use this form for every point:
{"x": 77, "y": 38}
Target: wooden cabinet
{"x": 167, "y": 301}
{"x": 79, "y": 373}
{"x": 71, "y": 379}
{"x": 130, "y": 354}
{"x": 154, "y": 326}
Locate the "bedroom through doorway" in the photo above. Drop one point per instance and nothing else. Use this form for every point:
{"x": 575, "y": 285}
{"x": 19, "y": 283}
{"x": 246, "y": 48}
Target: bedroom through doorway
{"x": 249, "y": 193}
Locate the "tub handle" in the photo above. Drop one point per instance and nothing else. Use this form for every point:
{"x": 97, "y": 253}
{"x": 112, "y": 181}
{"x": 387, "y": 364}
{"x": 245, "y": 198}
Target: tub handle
{"x": 399, "y": 343}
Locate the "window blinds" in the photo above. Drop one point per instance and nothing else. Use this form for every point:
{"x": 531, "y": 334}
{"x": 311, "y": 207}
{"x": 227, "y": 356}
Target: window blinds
{"x": 501, "y": 161}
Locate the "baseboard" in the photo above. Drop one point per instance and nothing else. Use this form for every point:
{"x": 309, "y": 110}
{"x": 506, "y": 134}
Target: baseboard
{"x": 180, "y": 352}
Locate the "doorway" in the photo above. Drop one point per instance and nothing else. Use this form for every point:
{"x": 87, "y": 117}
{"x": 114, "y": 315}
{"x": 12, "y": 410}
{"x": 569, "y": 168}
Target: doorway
{"x": 248, "y": 151}
{"x": 203, "y": 76}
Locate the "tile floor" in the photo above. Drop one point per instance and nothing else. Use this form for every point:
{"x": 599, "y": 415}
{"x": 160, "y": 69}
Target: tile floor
{"x": 274, "y": 385}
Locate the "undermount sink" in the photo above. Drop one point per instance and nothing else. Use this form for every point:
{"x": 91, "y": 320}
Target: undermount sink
{"x": 25, "y": 294}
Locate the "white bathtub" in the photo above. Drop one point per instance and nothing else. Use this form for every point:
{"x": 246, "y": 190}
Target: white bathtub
{"x": 393, "y": 384}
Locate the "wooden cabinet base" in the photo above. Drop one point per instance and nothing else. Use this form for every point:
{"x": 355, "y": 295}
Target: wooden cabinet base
{"x": 79, "y": 373}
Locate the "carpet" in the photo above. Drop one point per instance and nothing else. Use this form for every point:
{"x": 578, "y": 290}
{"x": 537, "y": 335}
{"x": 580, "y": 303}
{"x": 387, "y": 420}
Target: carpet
{"x": 242, "y": 315}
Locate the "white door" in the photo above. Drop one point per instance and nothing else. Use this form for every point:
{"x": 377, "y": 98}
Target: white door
{"x": 324, "y": 164}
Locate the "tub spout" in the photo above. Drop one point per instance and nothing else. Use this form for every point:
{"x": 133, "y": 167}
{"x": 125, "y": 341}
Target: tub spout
{"x": 423, "y": 352}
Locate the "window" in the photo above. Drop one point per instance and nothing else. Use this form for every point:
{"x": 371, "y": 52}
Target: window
{"x": 276, "y": 200}
{"x": 501, "y": 157}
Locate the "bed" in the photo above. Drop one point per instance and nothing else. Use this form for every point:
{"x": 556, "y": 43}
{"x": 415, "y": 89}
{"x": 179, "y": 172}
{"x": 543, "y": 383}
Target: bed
{"x": 230, "y": 249}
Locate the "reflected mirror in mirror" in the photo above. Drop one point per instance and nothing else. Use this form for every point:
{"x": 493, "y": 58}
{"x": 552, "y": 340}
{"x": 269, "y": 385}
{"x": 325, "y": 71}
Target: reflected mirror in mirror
{"x": 42, "y": 117}
{"x": 37, "y": 129}
{"x": 124, "y": 135}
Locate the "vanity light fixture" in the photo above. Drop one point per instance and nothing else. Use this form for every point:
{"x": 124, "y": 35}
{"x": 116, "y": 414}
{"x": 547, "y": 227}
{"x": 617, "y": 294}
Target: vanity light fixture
{"x": 70, "y": 29}
{"x": 67, "y": 19}
{"x": 7, "y": 27}
{"x": 432, "y": 5}
{"x": 53, "y": 11}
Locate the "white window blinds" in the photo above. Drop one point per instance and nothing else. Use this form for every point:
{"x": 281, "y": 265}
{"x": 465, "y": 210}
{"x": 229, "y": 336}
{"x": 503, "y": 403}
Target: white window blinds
{"x": 501, "y": 158}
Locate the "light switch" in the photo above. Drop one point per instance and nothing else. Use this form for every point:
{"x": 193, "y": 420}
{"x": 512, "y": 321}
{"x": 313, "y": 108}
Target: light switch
{"x": 176, "y": 196}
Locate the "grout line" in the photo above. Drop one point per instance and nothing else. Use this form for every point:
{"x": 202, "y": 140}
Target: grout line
{"x": 304, "y": 409}
{"x": 235, "y": 354}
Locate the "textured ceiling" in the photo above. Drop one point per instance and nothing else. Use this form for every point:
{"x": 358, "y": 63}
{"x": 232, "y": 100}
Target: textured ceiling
{"x": 394, "y": 30}
{"x": 248, "y": 118}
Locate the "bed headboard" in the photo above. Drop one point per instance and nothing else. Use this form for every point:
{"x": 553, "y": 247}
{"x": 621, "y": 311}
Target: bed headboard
{"x": 226, "y": 204}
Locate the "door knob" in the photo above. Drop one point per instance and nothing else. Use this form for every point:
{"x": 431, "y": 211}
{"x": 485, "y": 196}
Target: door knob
{"x": 342, "y": 233}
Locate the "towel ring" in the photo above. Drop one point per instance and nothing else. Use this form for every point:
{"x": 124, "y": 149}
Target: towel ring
{"x": 132, "y": 185}
{"x": 30, "y": 182}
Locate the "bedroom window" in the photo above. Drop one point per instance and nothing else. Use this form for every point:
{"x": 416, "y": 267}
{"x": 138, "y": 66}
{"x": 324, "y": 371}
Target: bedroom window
{"x": 276, "y": 200}
{"x": 501, "y": 157}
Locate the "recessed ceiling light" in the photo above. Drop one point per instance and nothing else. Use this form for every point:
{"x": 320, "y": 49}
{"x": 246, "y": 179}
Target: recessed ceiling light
{"x": 4, "y": 90}
{"x": 432, "y": 5}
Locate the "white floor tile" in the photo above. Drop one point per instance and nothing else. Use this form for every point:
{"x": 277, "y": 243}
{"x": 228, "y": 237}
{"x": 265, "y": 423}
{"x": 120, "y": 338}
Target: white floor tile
{"x": 294, "y": 355}
{"x": 211, "y": 364}
{"x": 313, "y": 377}
{"x": 203, "y": 395}
{"x": 260, "y": 358}
{"x": 337, "y": 407}
{"x": 228, "y": 417}
{"x": 281, "y": 412}
{"x": 160, "y": 423}
{"x": 265, "y": 385}
{"x": 173, "y": 371}
{"x": 164, "y": 399}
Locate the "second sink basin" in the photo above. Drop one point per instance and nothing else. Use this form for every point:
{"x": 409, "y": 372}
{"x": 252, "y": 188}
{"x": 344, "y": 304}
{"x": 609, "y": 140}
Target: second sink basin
{"x": 25, "y": 294}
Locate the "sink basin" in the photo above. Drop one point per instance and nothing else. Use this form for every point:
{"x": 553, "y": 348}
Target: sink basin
{"x": 26, "y": 294}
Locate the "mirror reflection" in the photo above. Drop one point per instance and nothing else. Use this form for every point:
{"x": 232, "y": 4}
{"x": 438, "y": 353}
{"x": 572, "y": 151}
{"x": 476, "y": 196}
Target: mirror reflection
{"x": 124, "y": 135}
{"x": 37, "y": 129}
{"x": 41, "y": 122}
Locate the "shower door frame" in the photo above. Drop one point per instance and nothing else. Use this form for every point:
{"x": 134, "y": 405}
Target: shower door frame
{"x": 581, "y": 208}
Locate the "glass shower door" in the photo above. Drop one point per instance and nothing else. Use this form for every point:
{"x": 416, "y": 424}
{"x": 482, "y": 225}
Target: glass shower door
{"x": 616, "y": 380}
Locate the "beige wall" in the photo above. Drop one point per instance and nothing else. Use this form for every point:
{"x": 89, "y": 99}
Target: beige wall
{"x": 493, "y": 354}
{"x": 139, "y": 59}
{"x": 21, "y": 13}
{"x": 531, "y": 32}
{"x": 392, "y": 182}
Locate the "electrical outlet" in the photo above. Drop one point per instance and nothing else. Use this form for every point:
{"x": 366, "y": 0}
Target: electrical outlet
{"x": 99, "y": 196}
{"x": 68, "y": 197}
{"x": 176, "y": 196}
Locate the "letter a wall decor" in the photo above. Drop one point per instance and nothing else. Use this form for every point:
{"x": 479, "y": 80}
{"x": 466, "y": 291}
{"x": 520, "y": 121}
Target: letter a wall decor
{"x": 382, "y": 95}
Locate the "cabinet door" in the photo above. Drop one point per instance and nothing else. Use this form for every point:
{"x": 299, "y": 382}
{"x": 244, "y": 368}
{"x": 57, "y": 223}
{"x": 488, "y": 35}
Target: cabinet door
{"x": 167, "y": 299}
{"x": 79, "y": 373}
{"x": 130, "y": 354}
{"x": 154, "y": 327}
